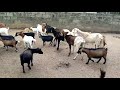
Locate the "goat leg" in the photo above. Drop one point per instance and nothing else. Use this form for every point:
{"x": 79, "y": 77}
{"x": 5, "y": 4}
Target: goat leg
{"x": 55, "y": 40}
{"x": 16, "y": 48}
{"x": 75, "y": 56}
{"x": 88, "y": 61}
{"x": 69, "y": 50}
{"x": 58, "y": 44}
{"x": 32, "y": 62}
{"x": 6, "y": 48}
{"x": 43, "y": 43}
{"x": 105, "y": 60}
{"x": 23, "y": 68}
{"x": 29, "y": 66}
{"x": 92, "y": 60}
{"x": 51, "y": 43}
{"x": 98, "y": 60}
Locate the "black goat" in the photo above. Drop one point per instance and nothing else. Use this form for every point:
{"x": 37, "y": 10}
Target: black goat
{"x": 58, "y": 37}
{"x": 27, "y": 56}
{"x": 48, "y": 38}
{"x": 57, "y": 34}
{"x": 49, "y": 29}
{"x": 28, "y": 34}
{"x": 95, "y": 53}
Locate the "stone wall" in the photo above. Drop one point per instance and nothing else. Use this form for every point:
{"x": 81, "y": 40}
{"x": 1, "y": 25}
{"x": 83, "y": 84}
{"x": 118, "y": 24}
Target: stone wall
{"x": 98, "y": 22}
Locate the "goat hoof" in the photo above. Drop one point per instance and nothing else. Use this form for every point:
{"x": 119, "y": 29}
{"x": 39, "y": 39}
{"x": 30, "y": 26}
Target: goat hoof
{"x": 103, "y": 63}
{"x": 57, "y": 48}
{"x": 32, "y": 64}
{"x": 86, "y": 63}
{"x": 54, "y": 45}
{"x": 23, "y": 71}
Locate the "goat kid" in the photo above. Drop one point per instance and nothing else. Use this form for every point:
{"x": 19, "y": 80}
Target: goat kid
{"x": 48, "y": 38}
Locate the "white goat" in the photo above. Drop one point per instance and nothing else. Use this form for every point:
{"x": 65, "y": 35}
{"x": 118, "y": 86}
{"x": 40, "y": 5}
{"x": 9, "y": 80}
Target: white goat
{"x": 28, "y": 41}
{"x": 89, "y": 37}
{"x": 34, "y": 30}
{"x": 40, "y": 29}
{"x": 4, "y": 30}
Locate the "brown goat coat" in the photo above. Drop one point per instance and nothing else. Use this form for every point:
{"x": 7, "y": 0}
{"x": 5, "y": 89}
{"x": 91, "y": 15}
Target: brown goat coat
{"x": 11, "y": 43}
{"x": 96, "y": 53}
{"x": 70, "y": 40}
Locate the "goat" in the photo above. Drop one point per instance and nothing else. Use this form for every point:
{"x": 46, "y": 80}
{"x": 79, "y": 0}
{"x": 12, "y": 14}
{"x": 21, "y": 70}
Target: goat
{"x": 76, "y": 41}
{"x": 9, "y": 41}
{"x": 28, "y": 40}
{"x": 28, "y": 34}
{"x": 48, "y": 38}
{"x": 27, "y": 57}
{"x": 49, "y": 29}
{"x": 39, "y": 29}
{"x": 94, "y": 53}
{"x": 102, "y": 73}
{"x": 96, "y": 38}
{"x": 4, "y": 30}
{"x": 57, "y": 32}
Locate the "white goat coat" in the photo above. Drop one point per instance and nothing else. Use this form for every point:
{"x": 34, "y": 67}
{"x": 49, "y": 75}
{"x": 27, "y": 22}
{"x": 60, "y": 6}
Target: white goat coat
{"x": 39, "y": 29}
{"x": 4, "y": 30}
{"x": 94, "y": 38}
{"x": 28, "y": 41}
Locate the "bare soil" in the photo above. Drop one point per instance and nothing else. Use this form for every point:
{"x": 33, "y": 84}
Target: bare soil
{"x": 57, "y": 64}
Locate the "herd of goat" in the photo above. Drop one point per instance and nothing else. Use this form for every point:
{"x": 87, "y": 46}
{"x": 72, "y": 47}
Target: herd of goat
{"x": 76, "y": 38}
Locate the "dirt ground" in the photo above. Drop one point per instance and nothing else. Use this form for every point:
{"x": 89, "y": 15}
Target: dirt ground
{"x": 57, "y": 64}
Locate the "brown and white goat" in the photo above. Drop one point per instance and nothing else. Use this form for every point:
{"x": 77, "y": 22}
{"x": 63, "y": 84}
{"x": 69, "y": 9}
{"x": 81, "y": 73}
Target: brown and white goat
{"x": 76, "y": 41}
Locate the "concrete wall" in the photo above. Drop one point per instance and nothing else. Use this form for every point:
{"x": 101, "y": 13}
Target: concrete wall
{"x": 100, "y": 22}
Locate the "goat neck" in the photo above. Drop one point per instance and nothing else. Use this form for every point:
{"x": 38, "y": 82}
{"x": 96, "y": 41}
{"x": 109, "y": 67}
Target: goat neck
{"x": 22, "y": 35}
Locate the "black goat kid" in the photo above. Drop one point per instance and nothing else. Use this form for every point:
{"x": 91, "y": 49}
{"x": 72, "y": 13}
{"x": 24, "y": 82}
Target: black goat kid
{"x": 27, "y": 56}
